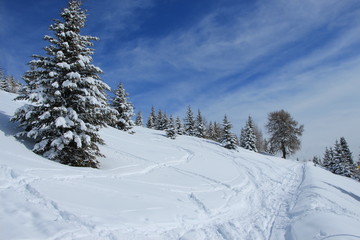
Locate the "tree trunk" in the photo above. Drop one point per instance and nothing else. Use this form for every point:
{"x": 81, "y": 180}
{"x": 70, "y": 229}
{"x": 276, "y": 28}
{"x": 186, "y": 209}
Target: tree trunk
{"x": 283, "y": 149}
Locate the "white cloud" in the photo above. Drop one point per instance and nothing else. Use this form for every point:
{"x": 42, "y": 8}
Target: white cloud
{"x": 317, "y": 88}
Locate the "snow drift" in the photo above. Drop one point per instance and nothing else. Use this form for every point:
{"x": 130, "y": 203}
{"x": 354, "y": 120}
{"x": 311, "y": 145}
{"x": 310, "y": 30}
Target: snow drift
{"x": 152, "y": 187}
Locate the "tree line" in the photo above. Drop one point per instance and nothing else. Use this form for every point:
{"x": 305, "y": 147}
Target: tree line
{"x": 284, "y": 131}
{"x": 68, "y": 105}
{"x": 339, "y": 160}
{"x": 8, "y": 83}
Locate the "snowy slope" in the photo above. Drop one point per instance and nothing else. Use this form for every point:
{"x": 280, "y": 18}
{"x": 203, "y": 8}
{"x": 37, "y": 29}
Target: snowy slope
{"x": 152, "y": 187}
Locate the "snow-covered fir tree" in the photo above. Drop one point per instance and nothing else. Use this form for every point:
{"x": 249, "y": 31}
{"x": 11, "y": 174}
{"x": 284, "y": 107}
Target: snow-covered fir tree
{"x": 139, "y": 119}
{"x": 218, "y": 131}
{"x": 151, "y": 119}
{"x": 189, "y": 123}
{"x": 328, "y": 158}
{"x": 179, "y": 127}
{"x": 68, "y": 96}
{"x": 248, "y": 137}
{"x": 316, "y": 160}
{"x": 158, "y": 120}
{"x": 124, "y": 109}
{"x": 3, "y": 84}
{"x": 161, "y": 120}
{"x": 347, "y": 159}
{"x": 12, "y": 85}
{"x": 171, "y": 130}
{"x": 228, "y": 139}
{"x": 214, "y": 131}
{"x": 200, "y": 126}
{"x": 210, "y": 130}
{"x": 8, "y": 83}
{"x": 242, "y": 138}
{"x": 339, "y": 160}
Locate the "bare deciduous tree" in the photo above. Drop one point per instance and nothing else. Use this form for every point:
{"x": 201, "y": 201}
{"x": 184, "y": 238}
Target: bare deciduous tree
{"x": 284, "y": 133}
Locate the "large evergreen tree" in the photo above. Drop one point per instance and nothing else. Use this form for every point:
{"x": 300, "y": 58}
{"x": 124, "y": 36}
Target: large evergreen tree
{"x": 3, "y": 84}
{"x": 284, "y": 133}
{"x": 214, "y": 131}
{"x": 161, "y": 121}
{"x": 228, "y": 139}
{"x": 248, "y": 137}
{"x": 346, "y": 153}
{"x": 151, "y": 119}
{"x": 189, "y": 123}
{"x": 200, "y": 126}
{"x": 328, "y": 158}
{"x": 124, "y": 109}
{"x": 158, "y": 120}
{"x": 179, "y": 127}
{"x": 337, "y": 165}
{"x": 343, "y": 162}
{"x": 68, "y": 96}
{"x": 171, "y": 130}
{"x": 139, "y": 119}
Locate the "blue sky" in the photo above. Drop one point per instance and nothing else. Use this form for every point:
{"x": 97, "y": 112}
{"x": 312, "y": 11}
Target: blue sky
{"x": 233, "y": 56}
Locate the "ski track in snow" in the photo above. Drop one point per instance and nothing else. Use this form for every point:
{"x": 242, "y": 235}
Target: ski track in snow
{"x": 221, "y": 223}
{"x": 151, "y": 187}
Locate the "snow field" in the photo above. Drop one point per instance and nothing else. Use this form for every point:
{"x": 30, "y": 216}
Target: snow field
{"x": 152, "y": 187}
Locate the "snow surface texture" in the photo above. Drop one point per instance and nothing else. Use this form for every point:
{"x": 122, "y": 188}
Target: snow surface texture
{"x": 152, "y": 187}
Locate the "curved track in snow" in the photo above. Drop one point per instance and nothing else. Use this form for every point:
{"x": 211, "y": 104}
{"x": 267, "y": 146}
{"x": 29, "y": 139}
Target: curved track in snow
{"x": 152, "y": 187}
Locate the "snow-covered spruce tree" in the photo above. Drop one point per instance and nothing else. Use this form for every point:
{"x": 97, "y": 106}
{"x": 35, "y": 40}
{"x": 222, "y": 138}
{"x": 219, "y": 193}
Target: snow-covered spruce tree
{"x": 248, "y": 137}
{"x": 151, "y": 119}
{"x": 171, "y": 128}
{"x": 139, "y": 119}
{"x": 162, "y": 120}
{"x": 124, "y": 109}
{"x": 68, "y": 96}
{"x": 179, "y": 127}
{"x": 214, "y": 131}
{"x": 158, "y": 120}
{"x": 242, "y": 138}
{"x": 3, "y": 84}
{"x": 342, "y": 163}
{"x": 210, "y": 131}
{"x": 337, "y": 166}
{"x": 328, "y": 158}
{"x": 228, "y": 139}
{"x": 189, "y": 123}
{"x": 8, "y": 83}
{"x": 13, "y": 86}
{"x": 200, "y": 126}
{"x": 347, "y": 158}
{"x": 316, "y": 160}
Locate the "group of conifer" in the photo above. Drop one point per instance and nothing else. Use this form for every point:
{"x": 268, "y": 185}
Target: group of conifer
{"x": 339, "y": 160}
{"x": 8, "y": 83}
{"x": 198, "y": 127}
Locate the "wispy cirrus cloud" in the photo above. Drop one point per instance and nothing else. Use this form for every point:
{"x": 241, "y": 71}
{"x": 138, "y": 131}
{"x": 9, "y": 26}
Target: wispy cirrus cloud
{"x": 278, "y": 54}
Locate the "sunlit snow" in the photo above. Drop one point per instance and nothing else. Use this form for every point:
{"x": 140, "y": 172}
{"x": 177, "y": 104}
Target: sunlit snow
{"x": 152, "y": 187}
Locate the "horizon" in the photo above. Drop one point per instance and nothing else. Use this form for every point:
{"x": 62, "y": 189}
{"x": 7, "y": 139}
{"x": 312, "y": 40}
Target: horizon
{"x": 238, "y": 58}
